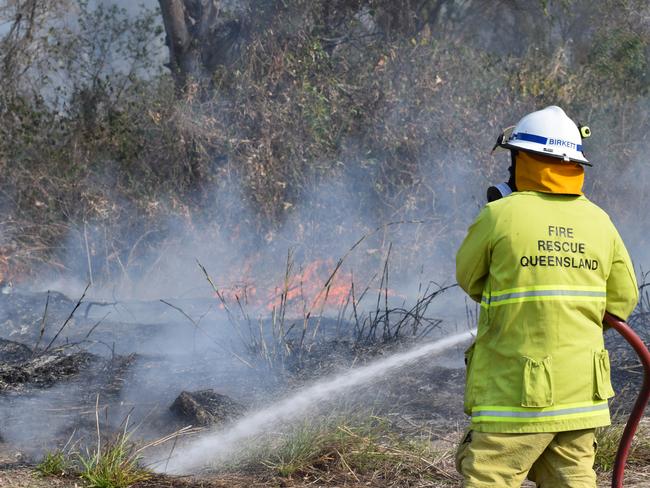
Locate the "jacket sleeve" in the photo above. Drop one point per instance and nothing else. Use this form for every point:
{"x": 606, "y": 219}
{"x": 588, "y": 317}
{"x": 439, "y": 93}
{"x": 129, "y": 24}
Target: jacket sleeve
{"x": 622, "y": 289}
{"x": 473, "y": 257}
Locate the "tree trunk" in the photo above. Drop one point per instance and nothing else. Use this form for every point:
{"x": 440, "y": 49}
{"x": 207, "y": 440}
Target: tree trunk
{"x": 182, "y": 55}
{"x": 201, "y": 35}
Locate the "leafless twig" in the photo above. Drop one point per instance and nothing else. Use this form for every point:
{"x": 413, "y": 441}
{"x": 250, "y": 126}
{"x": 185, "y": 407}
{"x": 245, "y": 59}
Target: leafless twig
{"x": 83, "y": 295}
{"x": 42, "y": 330}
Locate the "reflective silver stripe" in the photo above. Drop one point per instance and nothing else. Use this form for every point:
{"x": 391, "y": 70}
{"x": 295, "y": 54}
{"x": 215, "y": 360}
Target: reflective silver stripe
{"x": 544, "y": 293}
{"x": 552, "y": 413}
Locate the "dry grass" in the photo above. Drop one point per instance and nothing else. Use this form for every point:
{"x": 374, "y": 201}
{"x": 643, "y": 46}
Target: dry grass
{"x": 365, "y": 316}
{"x": 608, "y": 440}
{"x": 350, "y": 450}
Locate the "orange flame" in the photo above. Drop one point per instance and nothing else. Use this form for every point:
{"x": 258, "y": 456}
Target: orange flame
{"x": 319, "y": 285}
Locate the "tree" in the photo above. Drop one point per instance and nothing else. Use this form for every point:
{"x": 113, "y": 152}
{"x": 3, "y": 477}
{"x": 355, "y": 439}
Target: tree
{"x": 201, "y": 35}
{"x": 22, "y": 43}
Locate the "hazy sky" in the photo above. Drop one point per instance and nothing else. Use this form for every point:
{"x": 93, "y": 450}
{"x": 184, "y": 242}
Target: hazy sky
{"x": 129, "y": 5}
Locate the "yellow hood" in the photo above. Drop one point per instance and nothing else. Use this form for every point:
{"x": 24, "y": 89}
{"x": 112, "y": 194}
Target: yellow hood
{"x": 548, "y": 175}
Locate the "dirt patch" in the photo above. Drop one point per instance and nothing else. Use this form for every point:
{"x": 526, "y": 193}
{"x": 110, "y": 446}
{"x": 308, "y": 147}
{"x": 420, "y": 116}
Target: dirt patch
{"x": 26, "y": 477}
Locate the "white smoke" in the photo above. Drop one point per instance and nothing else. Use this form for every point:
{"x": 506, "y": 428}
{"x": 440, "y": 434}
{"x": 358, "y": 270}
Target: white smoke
{"x": 215, "y": 448}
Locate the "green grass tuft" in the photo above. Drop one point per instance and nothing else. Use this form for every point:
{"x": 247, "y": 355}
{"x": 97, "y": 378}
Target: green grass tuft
{"x": 55, "y": 463}
{"x": 115, "y": 465}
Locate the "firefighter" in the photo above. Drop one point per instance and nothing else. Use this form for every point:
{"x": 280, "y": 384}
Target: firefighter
{"x": 545, "y": 264}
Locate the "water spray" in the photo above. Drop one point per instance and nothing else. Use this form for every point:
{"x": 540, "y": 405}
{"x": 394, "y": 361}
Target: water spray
{"x": 641, "y": 402}
{"x": 215, "y": 447}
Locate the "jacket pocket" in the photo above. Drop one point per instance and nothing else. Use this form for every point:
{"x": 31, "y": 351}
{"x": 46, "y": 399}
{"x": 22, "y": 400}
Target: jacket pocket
{"x": 468, "y": 402}
{"x": 602, "y": 382}
{"x": 537, "y": 388}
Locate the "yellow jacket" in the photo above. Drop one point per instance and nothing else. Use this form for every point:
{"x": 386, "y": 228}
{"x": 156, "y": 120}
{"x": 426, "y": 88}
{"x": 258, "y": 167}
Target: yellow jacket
{"x": 544, "y": 268}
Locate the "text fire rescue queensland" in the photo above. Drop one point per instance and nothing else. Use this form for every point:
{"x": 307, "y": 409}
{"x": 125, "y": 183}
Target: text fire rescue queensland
{"x": 561, "y": 249}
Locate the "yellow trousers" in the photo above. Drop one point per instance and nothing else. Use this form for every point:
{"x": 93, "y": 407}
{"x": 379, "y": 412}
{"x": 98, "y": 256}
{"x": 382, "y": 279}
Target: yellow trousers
{"x": 552, "y": 460}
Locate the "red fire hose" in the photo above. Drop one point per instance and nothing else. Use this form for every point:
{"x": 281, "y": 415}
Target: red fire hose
{"x": 641, "y": 402}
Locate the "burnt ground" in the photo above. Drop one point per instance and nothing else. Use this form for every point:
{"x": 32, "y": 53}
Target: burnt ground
{"x": 135, "y": 361}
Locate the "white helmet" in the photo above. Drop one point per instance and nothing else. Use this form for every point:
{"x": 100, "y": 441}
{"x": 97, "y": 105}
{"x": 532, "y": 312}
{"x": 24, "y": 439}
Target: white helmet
{"x": 550, "y": 132}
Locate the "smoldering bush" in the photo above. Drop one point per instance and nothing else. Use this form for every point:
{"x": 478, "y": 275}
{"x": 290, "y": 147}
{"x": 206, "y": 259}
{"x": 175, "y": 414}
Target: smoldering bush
{"x": 402, "y": 109}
